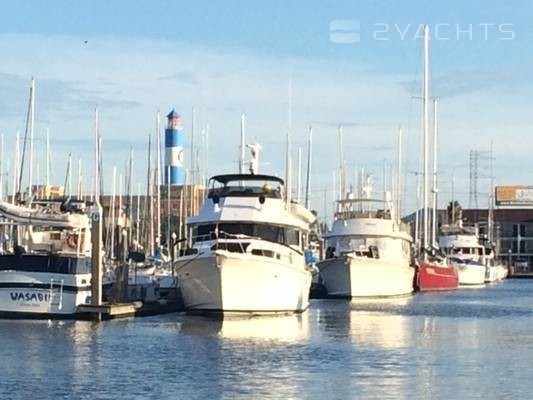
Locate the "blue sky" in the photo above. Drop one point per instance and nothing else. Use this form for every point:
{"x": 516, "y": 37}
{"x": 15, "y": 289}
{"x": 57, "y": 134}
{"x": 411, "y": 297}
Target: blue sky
{"x": 228, "y": 57}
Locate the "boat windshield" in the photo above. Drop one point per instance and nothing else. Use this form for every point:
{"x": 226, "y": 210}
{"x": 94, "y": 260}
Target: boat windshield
{"x": 246, "y": 186}
{"x": 362, "y": 208}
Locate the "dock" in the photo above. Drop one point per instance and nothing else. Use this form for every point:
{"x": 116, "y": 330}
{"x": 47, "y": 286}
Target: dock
{"x": 109, "y": 311}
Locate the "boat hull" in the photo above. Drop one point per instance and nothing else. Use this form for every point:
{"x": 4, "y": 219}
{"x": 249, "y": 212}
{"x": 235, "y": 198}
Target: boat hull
{"x": 42, "y": 295}
{"x": 365, "y": 277}
{"x": 492, "y": 274}
{"x": 433, "y": 277}
{"x": 242, "y": 283}
{"x": 471, "y": 275}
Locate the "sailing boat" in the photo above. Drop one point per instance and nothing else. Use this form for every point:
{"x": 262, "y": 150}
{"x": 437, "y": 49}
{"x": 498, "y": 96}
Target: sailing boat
{"x": 433, "y": 274}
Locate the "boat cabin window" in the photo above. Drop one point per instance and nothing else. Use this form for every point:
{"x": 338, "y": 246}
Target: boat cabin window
{"x": 271, "y": 233}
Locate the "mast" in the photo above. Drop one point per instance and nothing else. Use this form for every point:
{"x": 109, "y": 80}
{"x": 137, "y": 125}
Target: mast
{"x": 96, "y": 158}
{"x": 16, "y": 167}
{"x": 193, "y": 157}
{"x": 32, "y": 121}
{"x": 158, "y": 175}
{"x": 150, "y": 239}
{"x": 130, "y": 197}
{"x": 453, "y": 196}
{"x": 434, "y": 190}
{"x": 79, "y": 191}
{"x": 399, "y": 177}
{"x": 342, "y": 174}
{"x": 299, "y": 176}
{"x": 426, "y": 141}
{"x": 242, "y": 147}
{"x": 68, "y": 177}
{"x": 490, "y": 219}
{"x": 288, "y": 182}
{"x": 308, "y": 172}
{"x": 138, "y": 216}
{"x": 113, "y": 213}
{"x": 47, "y": 169}
{"x": 206, "y": 167}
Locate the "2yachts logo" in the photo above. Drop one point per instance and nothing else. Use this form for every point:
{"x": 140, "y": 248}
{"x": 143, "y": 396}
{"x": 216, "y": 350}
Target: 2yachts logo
{"x": 350, "y": 31}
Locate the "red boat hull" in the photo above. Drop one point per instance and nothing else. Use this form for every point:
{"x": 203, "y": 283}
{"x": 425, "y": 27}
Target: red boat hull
{"x": 433, "y": 277}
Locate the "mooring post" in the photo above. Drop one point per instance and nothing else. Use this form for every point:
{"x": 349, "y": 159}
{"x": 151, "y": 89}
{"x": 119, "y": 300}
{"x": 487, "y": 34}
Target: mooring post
{"x": 96, "y": 257}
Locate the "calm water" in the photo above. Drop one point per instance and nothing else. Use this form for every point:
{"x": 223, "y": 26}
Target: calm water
{"x": 475, "y": 343}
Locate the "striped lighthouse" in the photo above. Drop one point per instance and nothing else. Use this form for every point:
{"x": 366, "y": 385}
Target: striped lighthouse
{"x": 173, "y": 150}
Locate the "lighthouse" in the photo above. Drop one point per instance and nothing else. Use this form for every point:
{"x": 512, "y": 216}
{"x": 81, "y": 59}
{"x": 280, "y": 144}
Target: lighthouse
{"x": 173, "y": 150}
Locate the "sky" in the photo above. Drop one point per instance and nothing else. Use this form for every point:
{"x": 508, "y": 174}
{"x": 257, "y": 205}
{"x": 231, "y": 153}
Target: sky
{"x": 225, "y": 58}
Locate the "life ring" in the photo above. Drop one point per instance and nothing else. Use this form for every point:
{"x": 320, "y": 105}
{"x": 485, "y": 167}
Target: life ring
{"x": 72, "y": 241}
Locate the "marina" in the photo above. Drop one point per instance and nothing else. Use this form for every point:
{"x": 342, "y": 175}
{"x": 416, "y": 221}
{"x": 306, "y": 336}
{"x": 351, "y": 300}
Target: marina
{"x": 228, "y": 201}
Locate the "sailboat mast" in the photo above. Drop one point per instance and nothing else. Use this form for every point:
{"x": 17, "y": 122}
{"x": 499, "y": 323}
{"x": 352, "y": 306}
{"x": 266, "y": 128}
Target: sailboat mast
{"x": 158, "y": 176}
{"x": 79, "y": 191}
{"x": 96, "y": 157}
{"x": 113, "y": 218}
{"x": 308, "y": 172}
{"x": 32, "y": 121}
{"x": 130, "y": 198}
{"x": 193, "y": 156}
{"x": 434, "y": 190}
{"x": 47, "y": 169}
{"x": 425, "y": 140}
{"x": 149, "y": 200}
{"x": 16, "y": 164}
{"x": 399, "y": 177}
{"x": 288, "y": 182}
{"x": 299, "y": 176}
{"x": 342, "y": 175}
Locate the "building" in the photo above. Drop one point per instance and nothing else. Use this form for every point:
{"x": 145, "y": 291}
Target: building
{"x": 513, "y": 232}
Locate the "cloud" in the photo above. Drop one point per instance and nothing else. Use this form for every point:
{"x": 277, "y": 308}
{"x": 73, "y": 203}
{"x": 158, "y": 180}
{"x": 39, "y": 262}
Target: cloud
{"x": 129, "y": 79}
{"x": 481, "y": 80}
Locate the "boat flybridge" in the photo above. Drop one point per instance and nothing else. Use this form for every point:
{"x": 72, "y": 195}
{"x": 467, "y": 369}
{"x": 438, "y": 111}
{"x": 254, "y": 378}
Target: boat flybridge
{"x": 246, "y": 250}
{"x": 45, "y": 271}
{"x": 368, "y": 251}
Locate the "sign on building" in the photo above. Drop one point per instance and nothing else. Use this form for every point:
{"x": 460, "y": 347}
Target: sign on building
{"x": 518, "y": 195}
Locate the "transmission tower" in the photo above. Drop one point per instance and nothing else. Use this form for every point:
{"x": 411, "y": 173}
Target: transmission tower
{"x": 479, "y": 159}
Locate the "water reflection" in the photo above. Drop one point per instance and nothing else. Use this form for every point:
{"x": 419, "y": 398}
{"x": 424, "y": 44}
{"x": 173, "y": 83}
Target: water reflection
{"x": 285, "y": 328}
{"x": 469, "y": 344}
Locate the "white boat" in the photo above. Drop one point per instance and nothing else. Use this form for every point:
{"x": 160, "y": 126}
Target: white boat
{"x": 461, "y": 245}
{"x": 368, "y": 252}
{"x": 247, "y": 249}
{"x": 503, "y": 272}
{"x": 47, "y": 274}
